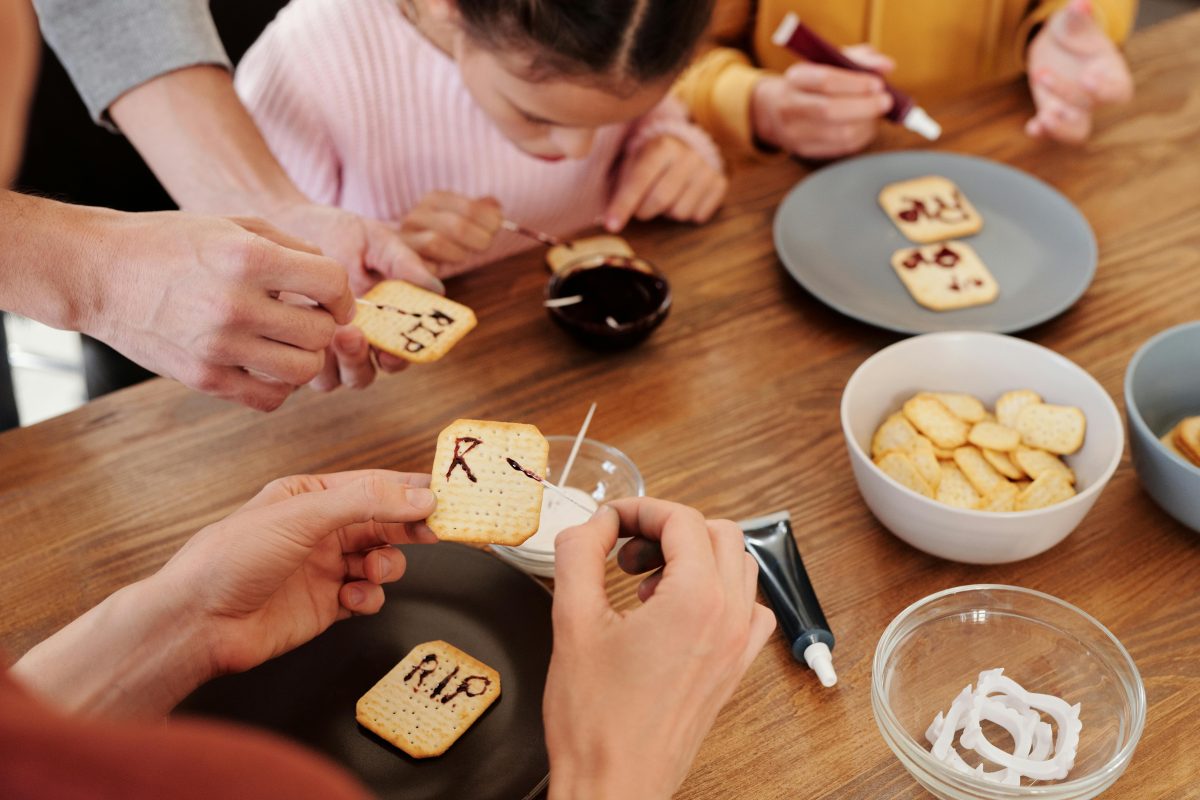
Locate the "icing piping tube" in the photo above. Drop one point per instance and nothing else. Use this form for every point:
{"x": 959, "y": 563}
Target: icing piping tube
{"x": 782, "y": 577}
{"x": 804, "y": 42}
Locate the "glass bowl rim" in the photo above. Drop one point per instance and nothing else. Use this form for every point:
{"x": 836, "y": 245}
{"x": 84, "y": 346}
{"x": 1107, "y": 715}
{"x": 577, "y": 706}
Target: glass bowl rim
{"x": 886, "y": 719}
{"x": 614, "y": 454}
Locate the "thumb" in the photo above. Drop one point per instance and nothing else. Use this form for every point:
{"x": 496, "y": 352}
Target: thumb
{"x": 388, "y": 255}
{"x": 580, "y": 555}
{"x": 305, "y": 519}
{"x": 1076, "y": 20}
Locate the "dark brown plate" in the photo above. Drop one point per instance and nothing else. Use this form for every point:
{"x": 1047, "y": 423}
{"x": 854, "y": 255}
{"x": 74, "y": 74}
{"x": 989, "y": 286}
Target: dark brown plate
{"x": 451, "y": 592}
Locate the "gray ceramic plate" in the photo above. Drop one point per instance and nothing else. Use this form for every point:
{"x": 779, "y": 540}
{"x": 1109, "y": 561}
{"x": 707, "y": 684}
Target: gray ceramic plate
{"x": 835, "y": 240}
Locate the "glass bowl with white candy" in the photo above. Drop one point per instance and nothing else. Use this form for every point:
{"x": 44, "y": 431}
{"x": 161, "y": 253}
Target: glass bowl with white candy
{"x": 990, "y": 691}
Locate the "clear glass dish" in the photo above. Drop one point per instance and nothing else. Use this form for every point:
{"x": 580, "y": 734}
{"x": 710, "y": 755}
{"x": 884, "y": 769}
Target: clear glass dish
{"x": 940, "y": 644}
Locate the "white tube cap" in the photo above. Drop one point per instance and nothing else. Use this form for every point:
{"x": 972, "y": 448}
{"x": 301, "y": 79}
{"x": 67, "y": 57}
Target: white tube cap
{"x": 820, "y": 661}
{"x": 918, "y": 120}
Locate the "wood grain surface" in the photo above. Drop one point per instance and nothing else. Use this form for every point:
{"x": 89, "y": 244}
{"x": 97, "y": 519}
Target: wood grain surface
{"x": 732, "y": 406}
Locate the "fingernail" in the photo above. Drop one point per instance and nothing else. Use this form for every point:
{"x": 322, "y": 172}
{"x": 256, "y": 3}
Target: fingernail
{"x": 605, "y": 511}
{"x": 421, "y": 497}
{"x": 612, "y": 223}
{"x": 356, "y": 596}
{"x": 385, "y": 566}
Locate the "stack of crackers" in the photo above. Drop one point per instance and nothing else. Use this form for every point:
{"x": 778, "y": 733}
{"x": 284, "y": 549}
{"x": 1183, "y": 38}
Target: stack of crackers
{"x": 943, "y": 274}
{"x": 950, "y": 448}
{"x": 1184, "y": 440}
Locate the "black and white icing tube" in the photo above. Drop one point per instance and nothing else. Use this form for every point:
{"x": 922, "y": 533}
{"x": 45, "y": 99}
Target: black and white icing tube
{"x": 781, "y": 574}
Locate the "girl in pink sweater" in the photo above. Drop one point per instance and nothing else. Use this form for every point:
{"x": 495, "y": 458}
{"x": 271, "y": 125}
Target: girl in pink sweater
{"x": 447, "y": 115}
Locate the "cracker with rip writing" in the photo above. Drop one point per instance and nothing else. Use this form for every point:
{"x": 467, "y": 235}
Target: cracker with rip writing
{"x": 930, "y": 209}
{"x": 412, "y": 323}
{"x": 563, "y": 254}
{"x": 481, "y": 496}
{"x": 946, "y": 276}
{"x": 427, "y": 701}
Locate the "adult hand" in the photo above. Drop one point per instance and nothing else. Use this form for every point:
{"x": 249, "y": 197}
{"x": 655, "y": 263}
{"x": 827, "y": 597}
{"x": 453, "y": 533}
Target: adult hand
{"x": 819, "y": 111}
{"x": 198, "y": 301}
{"x": 665, "y": 178}
{"x": 352, "y": 362}
{"x": 370, "y": 250}
{"x": 631, "y": 695}
{"x": 1073, "y": 69}
{"x": 448, "y": 228}
{"x": 305, "y": 552}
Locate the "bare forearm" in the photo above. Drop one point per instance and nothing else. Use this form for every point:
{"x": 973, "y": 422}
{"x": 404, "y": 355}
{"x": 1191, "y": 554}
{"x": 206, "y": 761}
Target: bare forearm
{"x": 18, "y": 63}
{"x": 50, "y": 260}
{"x": 130, "y": 656}
{"x": 194, "y": 132}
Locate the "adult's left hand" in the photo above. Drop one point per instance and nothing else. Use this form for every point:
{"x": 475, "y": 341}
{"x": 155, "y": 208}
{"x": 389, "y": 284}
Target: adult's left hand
{"x": 305, "y": 552}
{"x": 1074, "y": 68}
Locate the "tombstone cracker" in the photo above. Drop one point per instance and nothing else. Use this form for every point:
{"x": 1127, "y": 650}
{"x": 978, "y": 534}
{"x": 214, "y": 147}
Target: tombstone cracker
{"x": 481, "y": 498}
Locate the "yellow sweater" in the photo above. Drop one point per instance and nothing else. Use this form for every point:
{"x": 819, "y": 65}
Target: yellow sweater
{"x": 941, "y": 47}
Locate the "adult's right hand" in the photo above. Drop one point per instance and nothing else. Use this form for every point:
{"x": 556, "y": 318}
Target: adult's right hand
{"x": 819, "y": 111}
{"x": 631, "y": 695}
{"x": 197, "y": 299}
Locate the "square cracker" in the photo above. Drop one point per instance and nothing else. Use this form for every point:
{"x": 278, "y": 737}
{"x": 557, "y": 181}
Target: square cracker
{"x": 563, "y": 254}
{"x": 955, "y": 490}
{"x": 966, "y": 407}
{"x": 481, "y": 497}
{"x": 1047, "y": 489}
{"x": 1187, "y": 439}
{"x": 428, "y": 700}
{"x": 1009, "y": 406}
{"x": 930, "y": 209}
{"x": 1057, "y": 429}
{"x": 936, "y": 422}
{"x": 1034, "y": 462}
{"x": 994, "y": 436}
{"x": 982, "y": 475}
{"x": 901, "y": 469}
{"x": 426, "y": 330}
{"x": 946, "y": 276}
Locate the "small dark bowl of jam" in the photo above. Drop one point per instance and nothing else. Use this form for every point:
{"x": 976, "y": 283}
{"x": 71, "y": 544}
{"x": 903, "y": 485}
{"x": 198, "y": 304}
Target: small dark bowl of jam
{"x": 621, "y": 300}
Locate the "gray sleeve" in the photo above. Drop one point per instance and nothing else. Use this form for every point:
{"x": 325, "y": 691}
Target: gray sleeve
{"x": 110, "y": 46}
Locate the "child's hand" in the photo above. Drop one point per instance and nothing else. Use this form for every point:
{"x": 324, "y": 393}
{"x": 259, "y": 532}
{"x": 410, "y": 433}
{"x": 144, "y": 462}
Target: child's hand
{"x": 666, "y": 177}
{"x": 819, "y": 111}
{"x": 1073, "y": 68}
{"x": 447, "y": 228}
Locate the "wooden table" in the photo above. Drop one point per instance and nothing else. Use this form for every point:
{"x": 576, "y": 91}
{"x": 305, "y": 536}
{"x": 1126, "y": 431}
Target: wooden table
{"x": 733, "y": 407}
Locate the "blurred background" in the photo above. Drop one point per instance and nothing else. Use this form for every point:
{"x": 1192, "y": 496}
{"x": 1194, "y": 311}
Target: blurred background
{"x": 67, "y": 157}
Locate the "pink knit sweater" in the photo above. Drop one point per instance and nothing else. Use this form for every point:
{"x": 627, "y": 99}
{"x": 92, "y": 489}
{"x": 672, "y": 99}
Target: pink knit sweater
{"x": 366, "y": 114}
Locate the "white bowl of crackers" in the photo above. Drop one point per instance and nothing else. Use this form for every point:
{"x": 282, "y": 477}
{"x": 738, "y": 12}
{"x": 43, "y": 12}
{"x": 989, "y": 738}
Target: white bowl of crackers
{"x": 977, "y": 447}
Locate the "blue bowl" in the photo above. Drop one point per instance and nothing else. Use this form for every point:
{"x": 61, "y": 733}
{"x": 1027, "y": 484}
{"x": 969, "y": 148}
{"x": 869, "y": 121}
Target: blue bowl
{"x": 1162, "y": 386}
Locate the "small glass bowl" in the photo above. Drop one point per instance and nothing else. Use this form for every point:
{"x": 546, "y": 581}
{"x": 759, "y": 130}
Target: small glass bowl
{"x": 604, "y": 472}
{"x": 610, "y": 334}
{"x": 940, "y": 644}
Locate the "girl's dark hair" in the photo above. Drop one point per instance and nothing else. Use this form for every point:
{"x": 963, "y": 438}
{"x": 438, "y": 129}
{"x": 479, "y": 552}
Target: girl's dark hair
{"x": 621, "y": 40}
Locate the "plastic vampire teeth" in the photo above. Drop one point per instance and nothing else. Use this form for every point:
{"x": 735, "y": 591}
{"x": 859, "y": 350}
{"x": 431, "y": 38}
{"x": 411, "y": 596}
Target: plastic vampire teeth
{"x": 1037, "y": 753}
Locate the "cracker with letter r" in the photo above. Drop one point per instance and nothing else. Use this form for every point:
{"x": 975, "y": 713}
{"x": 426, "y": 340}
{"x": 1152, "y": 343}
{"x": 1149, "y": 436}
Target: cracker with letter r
{"x": 484, "y": 478}
{"x": 427, "y": 701}
{"x": 930, "y": 209}
{"x": 946, "y": 276}
{"x": 412, "y": 323}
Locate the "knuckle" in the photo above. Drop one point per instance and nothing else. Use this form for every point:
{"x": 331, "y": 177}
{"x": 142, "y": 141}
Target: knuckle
{"x": 207, "y": 378}
{"x": 374, "y": 489}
